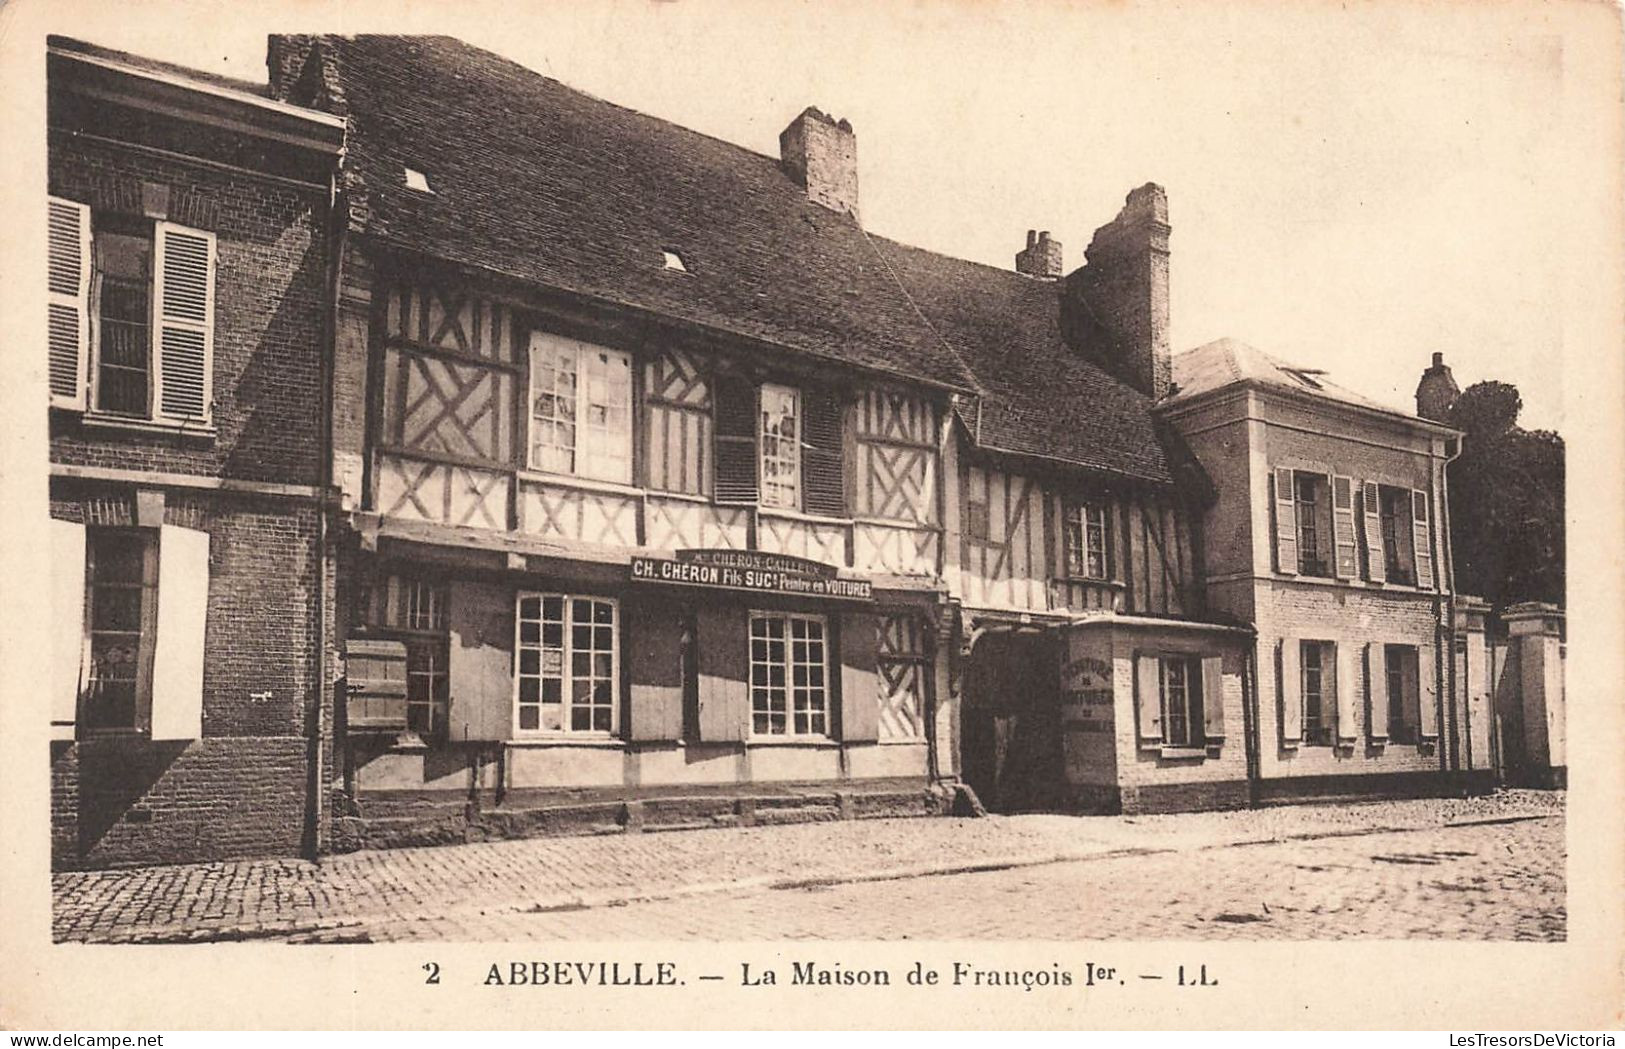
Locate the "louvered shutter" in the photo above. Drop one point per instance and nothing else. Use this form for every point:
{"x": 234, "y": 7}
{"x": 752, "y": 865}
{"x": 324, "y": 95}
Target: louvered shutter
{"x": 723, "y": 642}
{"x": 1376, "y": 676}
{"x": 1290, "y": 694}
{"x": 67, "y": 624}
{"x": 823, "y": 481}
{"x": 183, "y": 321}
{"x": 735, "y": 408}
{"x": 1427, "y": 693}
{"x": 1148, "y": 698}
{"x": 68, "y": 328}
{"x": 1213, "y": 698}
{"x": 1376, "y": 568}
{"x": 177, "y": 662}
{"x": 1423, "y": 538}
{"x": 1348, "y": 692}
{"x": 1286, "y": 524}
{"x": 479, "y": 666}
{"x": 654, "y": 650}
{"x": 1346, "y": 563}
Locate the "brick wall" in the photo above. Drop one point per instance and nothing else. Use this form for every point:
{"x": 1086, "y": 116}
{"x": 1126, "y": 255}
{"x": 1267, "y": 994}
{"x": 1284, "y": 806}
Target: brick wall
{"x": 1344, "y": 615}
{"x": 241, "y": 790}
{"x": 268, "y": 316}
{"x": 121, "y": 802}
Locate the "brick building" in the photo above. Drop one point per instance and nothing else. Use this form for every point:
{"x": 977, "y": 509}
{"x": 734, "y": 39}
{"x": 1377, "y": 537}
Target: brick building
{"x": 663, "y": 493}
{"x": 188, "y": 282}
{"x": 1329, "y": 534}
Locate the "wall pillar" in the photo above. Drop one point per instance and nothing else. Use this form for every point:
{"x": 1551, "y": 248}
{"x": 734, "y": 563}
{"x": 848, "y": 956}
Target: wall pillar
{"x": 1471, "y": 653}
{"x": 1537, "y": 631}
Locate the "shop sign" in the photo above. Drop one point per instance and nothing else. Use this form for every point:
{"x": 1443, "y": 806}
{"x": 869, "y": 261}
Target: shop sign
{"x": 751, "y": 571}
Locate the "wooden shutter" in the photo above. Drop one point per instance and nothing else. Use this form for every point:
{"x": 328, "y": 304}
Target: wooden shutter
{"x": 1348, "y": 692}
{"x": 68, "y": 329}
{"x": 1422, "y": 535}
{"x": 479, "y": 667}
{"x": 183, "y": 602}
{"x": 374, "y": 684}
{"x": 1213, "y": 698}
{"x": 722, "y": 634}
{"x": 1346, "y": 562}
{"x": 823, "y": 481}
{"x": 654, "y": 651}
{"x": 183, "y": 314}
{"x": 735, "y": 407}
{"x": 1376, "y": 568}
{"x": 1286, "y": 524}
{"x": 1291, "y": 694}
{"x": 860, "y": 683}
{"x": 1148, "y": 698}
{"x": 1427, "y": 694}
{"x": 1376, "y": 675}
{"x": 67, "y": 624}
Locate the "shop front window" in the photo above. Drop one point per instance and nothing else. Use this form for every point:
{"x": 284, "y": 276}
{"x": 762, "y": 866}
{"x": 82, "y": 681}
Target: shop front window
{"x": 569, "y": 662}
{"x": 789, "y": 672}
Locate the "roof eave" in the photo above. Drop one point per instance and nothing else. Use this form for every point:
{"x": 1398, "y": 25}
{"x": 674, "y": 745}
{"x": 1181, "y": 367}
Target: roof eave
{"x": 1307, "y": 397}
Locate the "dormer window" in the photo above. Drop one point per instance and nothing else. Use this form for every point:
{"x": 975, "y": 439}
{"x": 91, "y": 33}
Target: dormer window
{"x": 1306, "y": 376}
{"x": 417, "y": 180}
{"x": 675, "y": 261}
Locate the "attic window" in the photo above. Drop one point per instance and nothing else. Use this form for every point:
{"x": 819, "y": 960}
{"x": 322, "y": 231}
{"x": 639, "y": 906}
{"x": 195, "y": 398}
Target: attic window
{"x": 675, "y": 261}
{"x": 1306, "y": 376}
{"x": 417, "y": 180}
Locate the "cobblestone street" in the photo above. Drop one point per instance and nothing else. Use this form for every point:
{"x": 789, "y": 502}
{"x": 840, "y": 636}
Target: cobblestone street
{"x": 1483, "y": 868}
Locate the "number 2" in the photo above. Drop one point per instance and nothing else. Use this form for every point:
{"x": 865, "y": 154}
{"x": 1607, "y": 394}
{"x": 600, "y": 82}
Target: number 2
{"x": 433, "y": 969}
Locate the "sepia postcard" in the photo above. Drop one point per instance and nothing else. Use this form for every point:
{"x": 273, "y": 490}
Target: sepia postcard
{"x": 742, "y": 515}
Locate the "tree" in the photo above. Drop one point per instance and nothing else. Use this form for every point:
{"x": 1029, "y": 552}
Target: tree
{"x": 1506, "y": 501}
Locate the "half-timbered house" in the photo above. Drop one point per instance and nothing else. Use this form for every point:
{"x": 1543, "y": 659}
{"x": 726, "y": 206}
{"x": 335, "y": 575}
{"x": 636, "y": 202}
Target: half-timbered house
{"x": 641, "y": 447}
{"x": 1092, "y": 677}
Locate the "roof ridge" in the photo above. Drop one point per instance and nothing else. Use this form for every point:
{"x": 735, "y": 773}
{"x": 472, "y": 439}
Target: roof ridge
{"x": 549, "y": 78}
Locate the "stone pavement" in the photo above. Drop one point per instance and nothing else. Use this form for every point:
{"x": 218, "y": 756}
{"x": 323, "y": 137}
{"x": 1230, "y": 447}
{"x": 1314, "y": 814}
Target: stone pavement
{"x": 460, "y": 891}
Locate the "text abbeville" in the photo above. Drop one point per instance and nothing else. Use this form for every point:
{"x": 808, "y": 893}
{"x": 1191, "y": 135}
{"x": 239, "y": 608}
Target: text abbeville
{"x": 582, "y": 974}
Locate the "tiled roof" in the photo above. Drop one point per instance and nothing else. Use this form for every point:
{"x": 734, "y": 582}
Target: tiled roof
{"x": 1226, "y": 362}
{"x": 549, "y": 185}
{"x": 1039, "y": 396}
{"x": 546, "y": 184}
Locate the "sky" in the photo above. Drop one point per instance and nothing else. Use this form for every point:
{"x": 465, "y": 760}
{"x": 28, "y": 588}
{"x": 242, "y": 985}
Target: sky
{"x": 1348, "y": 190}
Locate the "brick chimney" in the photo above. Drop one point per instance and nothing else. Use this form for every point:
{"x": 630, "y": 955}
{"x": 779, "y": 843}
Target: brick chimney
{"x": 285, "y": 55}
{"x": 1437, "y": 392}
{"x": 821, "y": 153}
{"x": 1114, "y": 308}
{"x": 1042, "y": 257}
{"x": 302, "y": 69}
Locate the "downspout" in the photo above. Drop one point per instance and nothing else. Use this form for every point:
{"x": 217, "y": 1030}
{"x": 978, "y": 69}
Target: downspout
{"x": 1249, "y": 719}
{"x": 317, "y": 788}
{"x": 1441, "y": 517}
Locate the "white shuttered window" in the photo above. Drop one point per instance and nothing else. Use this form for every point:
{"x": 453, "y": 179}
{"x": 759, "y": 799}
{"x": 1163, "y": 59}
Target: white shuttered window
{"x": 183, "y": 321}
{"x": 68, "y": 331}
{"x": 131, "y": 329}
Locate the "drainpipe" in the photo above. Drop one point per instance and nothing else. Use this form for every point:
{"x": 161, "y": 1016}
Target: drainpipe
{"x": 1249, "y": 719}
{"x": 337, "y": 238}
{"x": 1441, "y": 518}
